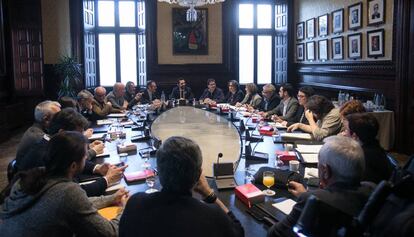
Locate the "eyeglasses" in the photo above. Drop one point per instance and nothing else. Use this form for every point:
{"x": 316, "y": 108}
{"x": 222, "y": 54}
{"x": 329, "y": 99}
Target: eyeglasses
{"x": 301, "y": 96}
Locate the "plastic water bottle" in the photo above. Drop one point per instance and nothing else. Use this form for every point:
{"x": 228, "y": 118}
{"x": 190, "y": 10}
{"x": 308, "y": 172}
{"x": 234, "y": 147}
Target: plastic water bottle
{"x": 162, "y": 97}
{"x": 383, "y": 102}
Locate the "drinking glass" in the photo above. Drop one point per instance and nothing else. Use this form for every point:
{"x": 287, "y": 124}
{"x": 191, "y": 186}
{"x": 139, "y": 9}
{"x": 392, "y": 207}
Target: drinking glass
{"x": 146, "y": 156}
{"x": 268, "y": 181}
{"x": 150, "y": 180}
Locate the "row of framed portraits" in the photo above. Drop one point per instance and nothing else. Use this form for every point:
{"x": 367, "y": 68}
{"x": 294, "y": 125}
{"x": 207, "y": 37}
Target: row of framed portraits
{"x": 375, "y": 16}
{"x": 375, "y": 47}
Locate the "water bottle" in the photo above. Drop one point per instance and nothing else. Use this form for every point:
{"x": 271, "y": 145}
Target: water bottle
{"x": 194, "y": 102}
{"x": 163, "y": 97}
{"x": 340, "y": 98}
{"x": 383, "y": 102}
{"x": 346, "y": 97}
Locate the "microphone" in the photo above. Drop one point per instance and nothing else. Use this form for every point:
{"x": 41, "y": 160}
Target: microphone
{"x": 252, "y": 138}
{"x": 219, "y": 155}
{"x": 251, "y": 154}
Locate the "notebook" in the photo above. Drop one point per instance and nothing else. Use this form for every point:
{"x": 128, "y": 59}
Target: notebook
{"x": 109, "y": 213}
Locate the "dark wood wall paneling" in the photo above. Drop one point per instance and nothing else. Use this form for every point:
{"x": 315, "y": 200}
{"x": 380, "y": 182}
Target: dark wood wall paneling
{"x": 196, "y": 75}
{"x": 363, "y": 79}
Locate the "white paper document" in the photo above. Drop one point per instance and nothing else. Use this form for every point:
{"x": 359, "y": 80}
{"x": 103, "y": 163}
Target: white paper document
{"x": 311, "y": 173}
{"x": 285, "y": 206}
{"x": 116, "y": 115}
{"x": 129, "y": 122}
{"x": 97, "y": 136}
{"x": 309, "y": 158}
{"x": 277, "y": 125}
{"x": 304, "y": 136}
{"x": 104, "y": 121}
{"x": 314, "y": 149}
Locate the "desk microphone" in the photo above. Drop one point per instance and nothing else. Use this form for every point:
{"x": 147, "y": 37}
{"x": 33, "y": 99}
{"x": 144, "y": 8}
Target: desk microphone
{"x": 219, "y": 155}
{"x": 252, "y": 138}
{"x": 251, "y": 154}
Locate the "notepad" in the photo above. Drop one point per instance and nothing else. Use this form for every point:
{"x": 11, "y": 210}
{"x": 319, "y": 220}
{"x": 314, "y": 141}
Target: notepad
{"x": 285, "y": 206}
{"x": 309, "y": 158}
{"x": 116, "y": 115}
{"x": 304, "y": 136}
{"x": 311, "y": 173}
{"x": 104, "y": 121}
{"x": 109, "y": 213}
{"x": 313, "y": 149}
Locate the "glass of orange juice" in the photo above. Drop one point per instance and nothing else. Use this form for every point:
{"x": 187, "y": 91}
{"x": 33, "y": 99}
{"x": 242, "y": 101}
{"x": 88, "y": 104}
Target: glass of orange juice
{"x": 268, "y": 181}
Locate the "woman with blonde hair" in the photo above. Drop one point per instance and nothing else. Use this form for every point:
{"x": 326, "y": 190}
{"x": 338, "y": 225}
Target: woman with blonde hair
{"x": 252, "y": 98}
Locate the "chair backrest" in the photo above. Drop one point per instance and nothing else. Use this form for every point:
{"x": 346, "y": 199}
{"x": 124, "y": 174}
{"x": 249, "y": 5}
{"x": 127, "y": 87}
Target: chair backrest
{"x": 11, "y": 170}
{"x": 392, "y": 160}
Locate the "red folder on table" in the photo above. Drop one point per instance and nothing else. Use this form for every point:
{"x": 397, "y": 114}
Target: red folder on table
{"x": 266, "y": 130}
{"x": 138, "y": 175}
{"x": 286, "y": 156}
{"x": 249, "y": 194}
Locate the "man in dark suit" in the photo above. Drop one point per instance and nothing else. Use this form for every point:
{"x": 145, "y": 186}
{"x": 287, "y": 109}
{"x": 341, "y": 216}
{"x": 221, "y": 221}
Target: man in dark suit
{"x": 341, "y": 166}
{"x": 150, "y": 94}
{"x": 288, "y": 104}
{"x": 212, "y": 94}
{"x": 181, "y": 91}
{"x": 173, "y": 211}
{"x": 270, "y": 99}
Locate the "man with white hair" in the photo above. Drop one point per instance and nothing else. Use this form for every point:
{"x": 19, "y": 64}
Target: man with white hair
{"x": 43, "y": 114}
{"x": 116, "y": 97}
{"x": 341, "y": 167}
{"x": 100, "y": 107}
{"x": 270, "y": 99}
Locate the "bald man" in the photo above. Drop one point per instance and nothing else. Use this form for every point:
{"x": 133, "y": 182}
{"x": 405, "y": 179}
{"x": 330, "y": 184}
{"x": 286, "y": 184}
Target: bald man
{"x": 116, "y": 97}
{"x": 100, "y": 108}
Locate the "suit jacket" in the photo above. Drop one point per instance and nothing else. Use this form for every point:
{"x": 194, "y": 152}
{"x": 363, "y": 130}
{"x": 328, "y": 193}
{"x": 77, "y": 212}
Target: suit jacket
{"x": 348, "y": 198}
{"x": 188, "y": 94}
{"x": 101, "y": 110}
{"x": 117, "y": 103}
{"x": 377, "y": 165}
{"x": 329, "y": 125}
{"x": 252, "y": 100}
{"x": 232, "y": 99}
{"x": 171, "y": 214}
{"x": 32, "y": 135}
{"x": 291, "y": 109}
{"x": 146, "y": 97}
{"x": 217, "y": 95}
{"x": 299, "y": 117}
{"x": 273, "y": 102}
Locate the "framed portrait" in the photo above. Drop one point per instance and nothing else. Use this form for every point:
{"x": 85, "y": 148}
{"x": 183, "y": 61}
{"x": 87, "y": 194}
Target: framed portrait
{"x": 189, "y": 38}
{"x": 354, "y": 46}
{"x": 323, "y": 50}
{"x": 376, "y": 12}
{"x": 300, "y": 52}
{"x": 337, "y": 48}
{"x": 300, "y": 31}
{"x": 310, "y": 51}
{"x": 355, "y": 16}
{"x": 323, "y": 25}
{"x": 338, "y": 21}
{"x": 310, "y": 28}
{"x": 375, "y": 43}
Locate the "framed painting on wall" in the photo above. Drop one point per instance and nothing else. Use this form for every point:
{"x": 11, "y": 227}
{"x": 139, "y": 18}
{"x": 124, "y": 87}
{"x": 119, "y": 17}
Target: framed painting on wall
{"x": 189, "y": 38}
{"x": 337, "y": 48}
{"x": 376, "y": 12}
{"x": 323, "y": 50}
{"x": 299, "y": 52}
{"x": 310, "y": 51}
{"x": 323, "y": 25}
{"x": 354, "y": 46}
{"x": 375, "y": 43}
{"x": 338, "y": 21}
{"x": 300, "y": 31}
{"x": 310, "y": 28}
{"x": 355, "y": 16}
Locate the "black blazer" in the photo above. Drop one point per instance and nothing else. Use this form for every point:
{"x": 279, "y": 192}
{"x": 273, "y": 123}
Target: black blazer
{"x": 188, "y": 93}
{"x": 299, "y": 117}
{"x": 146, "y": 99}
{"x": 273, "y": 103}
{"x": 232, "y": 99}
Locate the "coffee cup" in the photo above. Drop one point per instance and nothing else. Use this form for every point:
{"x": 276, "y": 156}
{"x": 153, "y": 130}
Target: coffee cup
{"x": 294, "y": 165}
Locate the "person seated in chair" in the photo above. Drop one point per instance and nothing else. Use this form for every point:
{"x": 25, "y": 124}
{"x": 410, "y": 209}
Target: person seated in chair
{"x": 43, "y": 114}
{"x": 85, "y": 99}
{"x": 341, "y": 167}
{"x": 270, "y": 100}
{"x": 363, "y": 127}
{"x": 151, "y": 93}
{"x": 324, "y": 119}
{"x": 100, "y": 107}
{"x": 181, "y": 91}
{"x": 288, "y": 105}
{"x": 212, "y": 95}
{"x": 131, "y": 96}
{"x": 173, "y": 207}
{"x": 303, "y": 95}
{"x": 116, "y": 97}
{"x": 235, "y": 95}
{"x": 252, "y": 99}
{"x": 46, "y": 202}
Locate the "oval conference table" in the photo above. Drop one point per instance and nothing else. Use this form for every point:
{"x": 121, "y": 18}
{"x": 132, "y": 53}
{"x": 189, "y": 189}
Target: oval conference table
{"x": 214, "y": 133}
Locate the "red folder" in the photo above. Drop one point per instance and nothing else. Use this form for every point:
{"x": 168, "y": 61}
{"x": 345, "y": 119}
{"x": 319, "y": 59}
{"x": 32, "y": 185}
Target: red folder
{"x": 286, "y": 156}
{"x": 249, "y": 194}
{"x": 138, "y": 175}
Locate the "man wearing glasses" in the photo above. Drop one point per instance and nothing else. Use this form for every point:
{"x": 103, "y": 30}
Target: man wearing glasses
{"x": 271, "y": 100}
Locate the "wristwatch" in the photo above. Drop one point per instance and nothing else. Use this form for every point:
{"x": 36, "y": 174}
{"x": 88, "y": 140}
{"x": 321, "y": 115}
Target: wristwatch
{"x": 211, "y": 198}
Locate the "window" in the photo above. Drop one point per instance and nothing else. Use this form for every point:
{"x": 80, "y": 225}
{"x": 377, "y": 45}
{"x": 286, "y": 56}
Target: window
{"x": 118, "y": 27}
{"x": 262, "y": 41}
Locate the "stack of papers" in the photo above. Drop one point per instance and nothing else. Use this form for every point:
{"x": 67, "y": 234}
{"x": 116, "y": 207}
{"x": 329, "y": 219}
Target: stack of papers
{"x": 277, "y": 125}
{"x": 309, "y": 158}
{"x": 311, "y": 149}
{"x": 97, "y": 136}
{"x": 285, "y": 206}
{"x": 304, "y": 136}
{"x": 311, "y": 173}
{"x": 104, "y": 121}
{"x": 116, "y": 115}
